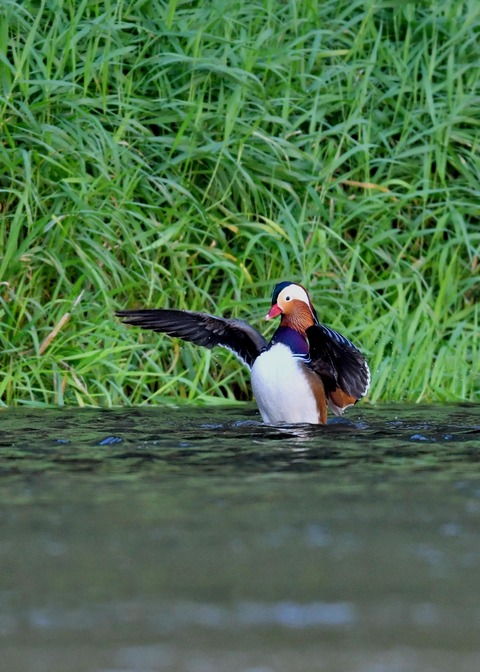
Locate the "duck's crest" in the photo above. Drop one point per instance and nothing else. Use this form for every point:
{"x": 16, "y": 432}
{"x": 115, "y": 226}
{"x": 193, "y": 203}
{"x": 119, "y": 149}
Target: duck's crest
{"x": 278, "y": 289}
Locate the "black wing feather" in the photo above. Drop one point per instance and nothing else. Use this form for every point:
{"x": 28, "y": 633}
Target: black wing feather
{"x": 337, "y": 361}
{"x": 201, "y": 329}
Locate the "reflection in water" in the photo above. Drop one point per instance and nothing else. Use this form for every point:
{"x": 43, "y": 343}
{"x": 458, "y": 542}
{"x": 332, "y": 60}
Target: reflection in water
{"x": 202, "y": 540}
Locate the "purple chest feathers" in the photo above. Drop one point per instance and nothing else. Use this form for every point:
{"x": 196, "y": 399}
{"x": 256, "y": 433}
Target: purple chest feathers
{"x": 291, "y": 338}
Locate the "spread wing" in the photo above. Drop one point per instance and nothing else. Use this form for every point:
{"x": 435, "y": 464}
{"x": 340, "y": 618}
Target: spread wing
{"x": 202, "y": 329}
{"x": 341, "y": 366}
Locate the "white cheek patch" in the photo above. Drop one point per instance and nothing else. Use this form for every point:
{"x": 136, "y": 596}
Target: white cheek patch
{"x": 294, "y": 292}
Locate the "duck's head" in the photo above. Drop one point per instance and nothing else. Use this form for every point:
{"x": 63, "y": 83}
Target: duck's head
{"x": 291, "y": 301}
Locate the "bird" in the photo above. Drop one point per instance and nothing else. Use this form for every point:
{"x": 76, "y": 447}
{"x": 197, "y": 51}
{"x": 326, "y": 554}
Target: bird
{"x": 305, "y": 369}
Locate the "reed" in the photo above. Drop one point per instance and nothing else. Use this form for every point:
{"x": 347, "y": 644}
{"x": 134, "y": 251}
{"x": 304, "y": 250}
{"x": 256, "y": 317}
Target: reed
{"x": 192, "y": 154}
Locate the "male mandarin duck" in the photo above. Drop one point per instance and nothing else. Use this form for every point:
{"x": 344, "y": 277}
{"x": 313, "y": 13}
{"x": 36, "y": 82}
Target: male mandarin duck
{"x": 305, "y": 368}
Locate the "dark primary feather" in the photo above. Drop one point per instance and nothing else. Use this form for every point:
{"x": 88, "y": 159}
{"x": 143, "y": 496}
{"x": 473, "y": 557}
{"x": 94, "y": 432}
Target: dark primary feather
{"x": 202, "y": 329}
{"x": 337, "y": 361}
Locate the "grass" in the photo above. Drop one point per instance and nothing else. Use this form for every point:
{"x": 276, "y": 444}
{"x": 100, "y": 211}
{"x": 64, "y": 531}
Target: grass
{"x": 191, "y": 155}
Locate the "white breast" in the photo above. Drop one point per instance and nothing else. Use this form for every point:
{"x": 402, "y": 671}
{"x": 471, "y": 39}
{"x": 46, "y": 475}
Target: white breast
{"x": 281, "y": 389}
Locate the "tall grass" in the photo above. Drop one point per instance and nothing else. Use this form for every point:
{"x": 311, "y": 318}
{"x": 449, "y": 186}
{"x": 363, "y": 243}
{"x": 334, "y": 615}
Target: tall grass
{"x": 193, "y": 154}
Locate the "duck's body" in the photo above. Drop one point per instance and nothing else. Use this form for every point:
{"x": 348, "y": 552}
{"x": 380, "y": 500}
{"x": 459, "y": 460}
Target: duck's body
{"x": 305, "y": 367}
{"x": 282, "y": 387}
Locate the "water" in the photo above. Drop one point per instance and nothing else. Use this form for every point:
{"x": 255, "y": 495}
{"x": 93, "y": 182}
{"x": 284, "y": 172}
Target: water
{"x": 199, "y": 540}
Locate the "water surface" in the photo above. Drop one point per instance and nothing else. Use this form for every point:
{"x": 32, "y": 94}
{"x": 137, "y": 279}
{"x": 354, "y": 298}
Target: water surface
{"x": 201, "y": 540}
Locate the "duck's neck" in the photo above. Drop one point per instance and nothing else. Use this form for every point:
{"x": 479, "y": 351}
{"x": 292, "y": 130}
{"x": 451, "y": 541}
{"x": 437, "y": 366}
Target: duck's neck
{"x": 299, "y": 317}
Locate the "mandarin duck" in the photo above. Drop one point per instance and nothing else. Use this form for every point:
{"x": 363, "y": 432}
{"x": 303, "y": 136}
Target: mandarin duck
{"x": 305, "y": 368}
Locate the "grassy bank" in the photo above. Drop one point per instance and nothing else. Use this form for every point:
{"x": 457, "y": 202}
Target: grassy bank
{"x": 166, "y": 154}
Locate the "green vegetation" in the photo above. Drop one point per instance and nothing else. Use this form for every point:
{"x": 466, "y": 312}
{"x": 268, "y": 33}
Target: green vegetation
{"x": 192, "y": 154}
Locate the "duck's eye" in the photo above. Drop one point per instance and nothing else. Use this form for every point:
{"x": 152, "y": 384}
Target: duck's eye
{"x": 287, "y": 298}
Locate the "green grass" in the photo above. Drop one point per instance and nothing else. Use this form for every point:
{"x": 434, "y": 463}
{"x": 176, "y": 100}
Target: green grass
{"x": 192, "y": 154}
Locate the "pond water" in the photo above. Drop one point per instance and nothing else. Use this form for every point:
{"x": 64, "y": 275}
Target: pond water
{"x": 200, "y": 540}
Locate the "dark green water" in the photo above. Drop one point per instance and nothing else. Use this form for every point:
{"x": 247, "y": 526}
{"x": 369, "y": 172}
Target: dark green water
{"x": 199, "y": 540}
